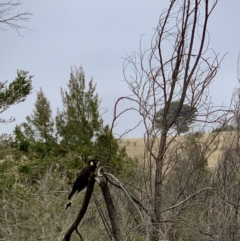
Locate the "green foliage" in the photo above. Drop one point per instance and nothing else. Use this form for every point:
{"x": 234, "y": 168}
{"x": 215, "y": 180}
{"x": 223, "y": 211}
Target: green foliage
{"x": 16, "y": 91}
{"x": 179, "y": 121}
{"x": 24, "y": 169}
{"x": 77, "y": 132}
{"x": 20, "y": 140}
{"x": 5, "y": 165}
{"x": 7, "y": 173}
{"x": 40, "y": 124}
{"x": 7, "y": 182}
{"x": 73, "y": 162}
{"x": 37, "y": 133}
{"x": 79, "y": 120}
{"x": 108, "y": 151}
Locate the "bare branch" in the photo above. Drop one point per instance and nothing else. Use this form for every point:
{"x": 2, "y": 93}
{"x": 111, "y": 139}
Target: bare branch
{"x": 10, "y": 18}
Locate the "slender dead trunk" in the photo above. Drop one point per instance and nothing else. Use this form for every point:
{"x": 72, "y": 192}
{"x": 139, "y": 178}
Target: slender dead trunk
{"x": 112, "y": 213}
{"x": 156, "y": 223}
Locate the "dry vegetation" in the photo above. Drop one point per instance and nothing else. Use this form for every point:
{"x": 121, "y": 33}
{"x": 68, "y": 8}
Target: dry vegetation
{"x": 36, "y": 211}
{"x": 135, "y": 147}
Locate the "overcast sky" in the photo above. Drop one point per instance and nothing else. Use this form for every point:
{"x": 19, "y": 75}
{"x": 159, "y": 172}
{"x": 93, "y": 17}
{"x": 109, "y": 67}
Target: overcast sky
{"x": 98, "y": 35}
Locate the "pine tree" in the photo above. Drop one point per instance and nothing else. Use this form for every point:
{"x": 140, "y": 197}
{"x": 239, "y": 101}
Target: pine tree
{"x": 79, "y": 120}
{"x": 39, "y": 127}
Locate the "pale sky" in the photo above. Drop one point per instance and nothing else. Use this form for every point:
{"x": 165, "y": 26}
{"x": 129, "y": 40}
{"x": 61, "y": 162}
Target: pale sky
{"x": 98, "y": 35}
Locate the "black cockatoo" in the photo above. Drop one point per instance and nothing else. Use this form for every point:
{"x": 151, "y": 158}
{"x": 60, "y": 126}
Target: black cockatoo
{"x": 82, "y": 180}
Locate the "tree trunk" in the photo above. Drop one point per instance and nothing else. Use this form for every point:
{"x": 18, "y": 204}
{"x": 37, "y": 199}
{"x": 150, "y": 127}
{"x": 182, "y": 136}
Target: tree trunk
{"x": 111, "y": 209}
{"x": 158, "y": 189}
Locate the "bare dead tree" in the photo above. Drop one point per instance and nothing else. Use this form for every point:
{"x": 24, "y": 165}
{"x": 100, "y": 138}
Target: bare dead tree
{"x": 10, "y": 16}
{"x": 178, "y": 66}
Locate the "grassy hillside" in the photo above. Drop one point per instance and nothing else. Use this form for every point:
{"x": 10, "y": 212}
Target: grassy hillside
{"x": 135, "y": 147}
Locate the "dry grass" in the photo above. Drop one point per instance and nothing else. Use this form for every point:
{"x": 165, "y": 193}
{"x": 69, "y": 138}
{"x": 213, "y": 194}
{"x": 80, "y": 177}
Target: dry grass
{"x": 135, "y": 147}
